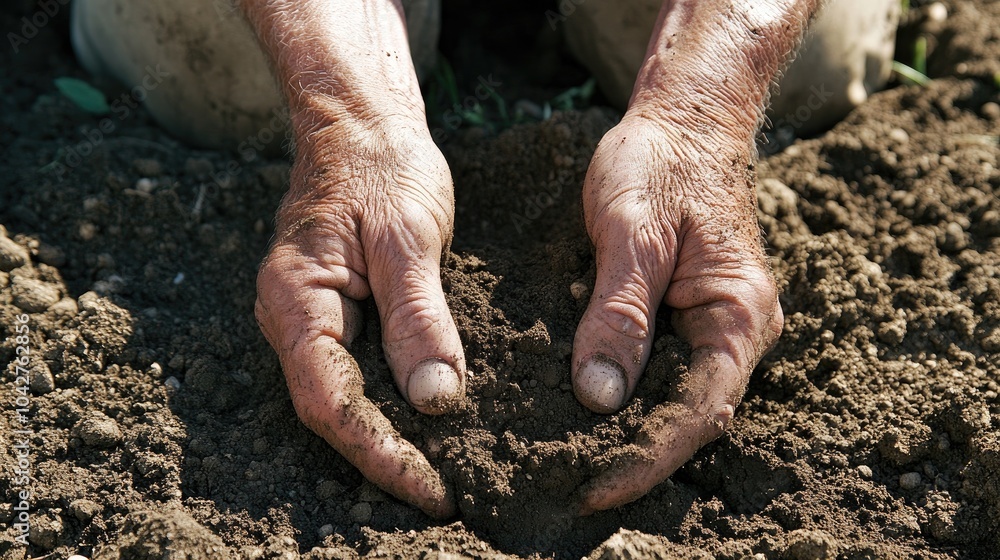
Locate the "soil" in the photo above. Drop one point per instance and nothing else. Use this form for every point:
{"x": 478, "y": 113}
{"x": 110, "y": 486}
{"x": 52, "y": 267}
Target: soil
{"x": 159, "y": 424}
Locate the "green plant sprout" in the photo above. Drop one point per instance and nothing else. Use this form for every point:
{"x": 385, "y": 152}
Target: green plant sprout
{"x": 83, "y": 95}
{"x": 909, "y": 74}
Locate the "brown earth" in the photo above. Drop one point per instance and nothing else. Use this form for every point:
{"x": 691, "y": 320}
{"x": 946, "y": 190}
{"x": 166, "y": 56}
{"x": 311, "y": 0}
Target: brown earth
{"x": 160, "y": 421}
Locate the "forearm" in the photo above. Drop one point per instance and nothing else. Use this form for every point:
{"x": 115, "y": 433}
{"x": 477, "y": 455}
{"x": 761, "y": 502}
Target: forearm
{"x": 337, "y": 60}
{"x": 710, "y": 63}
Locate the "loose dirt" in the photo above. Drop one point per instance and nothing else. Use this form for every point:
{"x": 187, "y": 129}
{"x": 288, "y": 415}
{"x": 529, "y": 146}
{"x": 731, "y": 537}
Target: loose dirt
{"x": 160, "y": 423}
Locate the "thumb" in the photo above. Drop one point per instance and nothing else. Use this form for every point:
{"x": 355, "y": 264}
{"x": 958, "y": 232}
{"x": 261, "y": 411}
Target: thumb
{"x": 419, "y": 336}
{"x": 615, "y": 335}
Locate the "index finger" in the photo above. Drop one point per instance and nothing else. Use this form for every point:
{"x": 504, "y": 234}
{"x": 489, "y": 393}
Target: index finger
{"x": 670, "y": 435}
{"x": 308, "y": 320}
{"x": 730, "y": 321}
{"x": 328, "y": 394}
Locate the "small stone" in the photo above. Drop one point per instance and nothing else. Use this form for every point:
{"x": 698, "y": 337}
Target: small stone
{"x": 147, "y": 166}
{"x": 955, "y": 238}
{"x": 899, "y": 135}
{"x": 41, "y": 380}
{"x": 909, "y": 481}
{"x": 12, "y": 255}
{"x": 145, "y": 185}
{"x": 361, "y": 513}
{"x": 65, "y": 308}
{"x": 84, "y": 510}
{"x": 87, "y": 231}
{"x": 176, "y": 362}
{"x": 579, "y": 290}
{"x": 89, "y": 302}
{"x": 51, "y": 255}
{"x": 97, "y": 430}
{"x": 198, "y": 167}
{"x": 325, "y": 531}
{"x": 33, "y": 295}
{"x": 990, "y": 111}
{"x": 937, "y": 12}
{"x": 865, "y": 471}
{"x": 806, "y": 544}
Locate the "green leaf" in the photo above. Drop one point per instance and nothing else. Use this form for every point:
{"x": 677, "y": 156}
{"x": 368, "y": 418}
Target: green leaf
{"x": 909, "y": 74}
{"x": 83, "y": 95}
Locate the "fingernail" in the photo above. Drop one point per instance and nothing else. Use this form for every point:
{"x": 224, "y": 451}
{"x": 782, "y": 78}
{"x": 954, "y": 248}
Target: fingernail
{"x": 600, "y": 384}
{"x": 434, "y": 385}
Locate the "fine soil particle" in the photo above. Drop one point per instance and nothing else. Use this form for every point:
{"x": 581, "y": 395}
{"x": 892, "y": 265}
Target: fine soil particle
{"x": 160, "y": 422}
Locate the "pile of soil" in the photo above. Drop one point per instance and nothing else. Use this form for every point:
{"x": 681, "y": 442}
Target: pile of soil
{"x": 159, "y": 422}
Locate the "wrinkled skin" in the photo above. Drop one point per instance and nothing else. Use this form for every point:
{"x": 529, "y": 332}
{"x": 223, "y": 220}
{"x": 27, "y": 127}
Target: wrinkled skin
{"x": 669, "y": 204}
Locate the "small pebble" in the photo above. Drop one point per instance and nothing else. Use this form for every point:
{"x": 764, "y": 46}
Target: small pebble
{"x": 937, "y": 12}
{"x": 77, "y": 557}
{"x": 899, "y": 135}
{"x": 909, "y": 481}
{"x": 172, "y": 383}
{"x": 361, "y": 513}
{"x": 145, "y": 185}
{"x": 176, "y": 362}
{"x": 325, "y": 531}
{"x": 806, "y": 544}
{"x": 33, "y": 295}
{"x": 65, "y": 308}
{"x": 579, "y": 290}
{"x": 954, "y": 237}
{"x": 51, "y": 255}
{"x": 865, "y": 471}
{"x": 87, "y": 231}
{"x": 990, "y": 111}
{"x": 12, "y": 255}
{"x": 97, "y": 430}
{"x": 41, "y": 379}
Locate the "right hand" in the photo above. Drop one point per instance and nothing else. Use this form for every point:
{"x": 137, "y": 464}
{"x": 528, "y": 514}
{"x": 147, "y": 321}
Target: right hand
{"x": 369, "y": 210}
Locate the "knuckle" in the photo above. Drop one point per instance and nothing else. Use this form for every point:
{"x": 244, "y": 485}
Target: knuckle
{"x": 627, "y": 315}
{"x": 411, "y": 314}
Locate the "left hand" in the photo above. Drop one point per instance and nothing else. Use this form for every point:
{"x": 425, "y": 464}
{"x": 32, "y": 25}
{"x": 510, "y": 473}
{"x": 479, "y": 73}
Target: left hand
{"x": 672, "y": 213}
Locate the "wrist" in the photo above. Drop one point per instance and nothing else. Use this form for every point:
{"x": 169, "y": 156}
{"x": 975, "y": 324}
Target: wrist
{"x": 710, "y": 63}
{"x": 694, "y": 135}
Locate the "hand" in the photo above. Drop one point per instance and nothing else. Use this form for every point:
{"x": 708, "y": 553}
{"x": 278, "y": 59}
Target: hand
{"x": 673, "y": 217}
{"x": 369, "y": 209}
